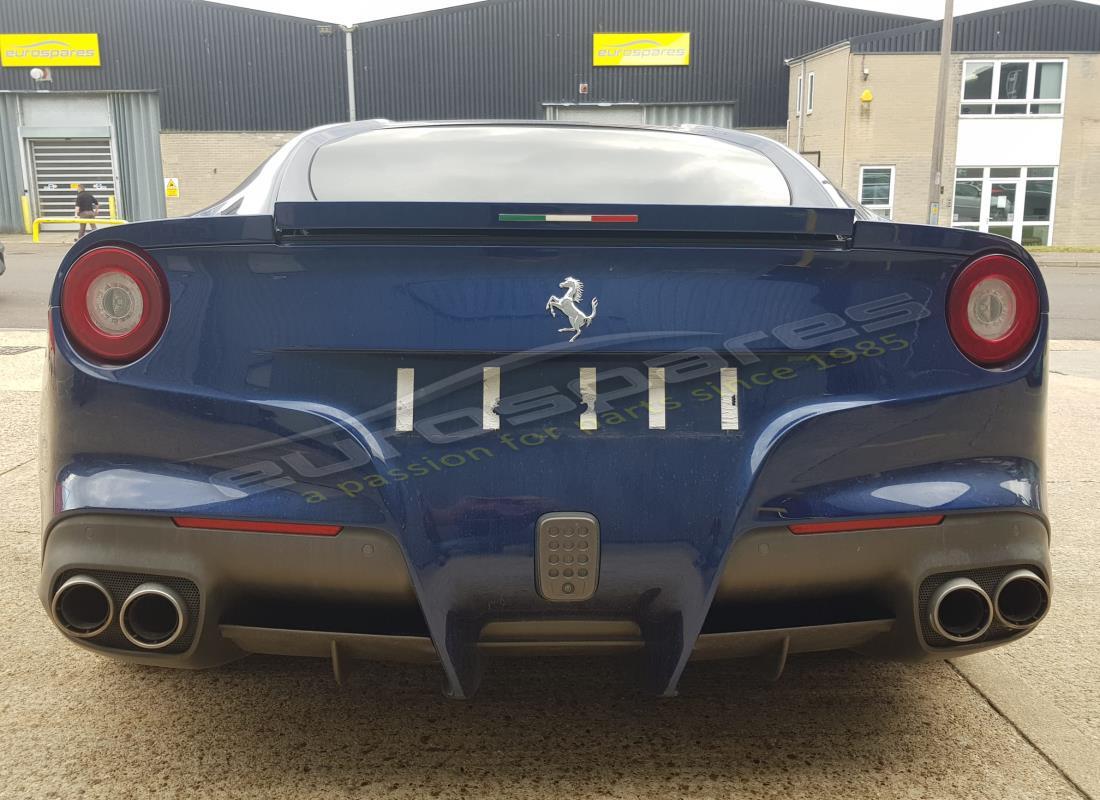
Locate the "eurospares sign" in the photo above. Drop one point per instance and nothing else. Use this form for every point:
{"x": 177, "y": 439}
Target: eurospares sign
{"x": 49, "y": 49}
{"x": 641, "y": 49}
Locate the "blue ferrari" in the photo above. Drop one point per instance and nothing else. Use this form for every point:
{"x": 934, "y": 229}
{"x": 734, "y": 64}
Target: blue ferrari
{"x": 437, "y": 392}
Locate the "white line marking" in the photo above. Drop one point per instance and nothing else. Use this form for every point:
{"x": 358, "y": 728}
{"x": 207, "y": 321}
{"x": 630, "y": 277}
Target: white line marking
{"x": 730, "y": 416}
{"x": 490, "y": 398}
{"x": 406, "y": 386}
{"x": 589, "y": 421}
{"x": 657, "y": 398}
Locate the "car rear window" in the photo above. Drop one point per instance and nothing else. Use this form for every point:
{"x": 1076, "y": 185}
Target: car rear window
{"x": 544, "y": 164}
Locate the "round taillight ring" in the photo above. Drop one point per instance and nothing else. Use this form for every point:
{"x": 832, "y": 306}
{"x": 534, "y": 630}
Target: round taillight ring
{"x": 993, "y": 310}
{"x": 114, "y": 304}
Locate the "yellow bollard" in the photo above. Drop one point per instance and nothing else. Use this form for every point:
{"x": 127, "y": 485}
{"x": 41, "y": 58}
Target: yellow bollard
{"x": 36, "y": 225}
{"x": 26, "y": 203}
{"x": 111, "y": 206}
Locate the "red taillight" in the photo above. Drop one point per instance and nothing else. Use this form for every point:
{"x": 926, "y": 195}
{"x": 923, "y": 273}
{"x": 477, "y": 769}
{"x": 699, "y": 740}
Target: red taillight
{"x": 114, "y": 304}
{"x": 254, "y": 526}
{"x": 882, "y": 523}
{"x": 993, "y": 310}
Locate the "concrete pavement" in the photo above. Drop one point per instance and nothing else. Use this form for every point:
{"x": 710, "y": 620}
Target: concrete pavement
{"x": 1021, "y": 722}
{"x": 1079, "y": 259}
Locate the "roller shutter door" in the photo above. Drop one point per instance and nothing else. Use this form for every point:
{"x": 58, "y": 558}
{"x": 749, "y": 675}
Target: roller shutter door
{"x": 59, "y": 163}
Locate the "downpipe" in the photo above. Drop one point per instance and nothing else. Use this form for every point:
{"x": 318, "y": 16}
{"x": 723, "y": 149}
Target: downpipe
{"x": 82, "y": 607}
{"x": 960, "y": 610}
{"x": 1021, "y": 599}
{"x": 153, "y": 616}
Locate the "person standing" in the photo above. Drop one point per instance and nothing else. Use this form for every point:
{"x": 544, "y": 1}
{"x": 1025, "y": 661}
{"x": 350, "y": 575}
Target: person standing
{"x": 86, "y": 207}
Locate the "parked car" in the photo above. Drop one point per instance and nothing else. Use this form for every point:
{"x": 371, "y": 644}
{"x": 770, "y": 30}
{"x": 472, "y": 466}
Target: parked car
{"x": 431, "y": 392}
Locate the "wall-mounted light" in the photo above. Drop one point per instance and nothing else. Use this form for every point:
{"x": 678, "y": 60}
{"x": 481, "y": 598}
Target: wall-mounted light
{"x": 42, "y": 78}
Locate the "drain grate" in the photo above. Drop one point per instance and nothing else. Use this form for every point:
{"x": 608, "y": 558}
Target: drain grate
{"x": 16, "y": 350}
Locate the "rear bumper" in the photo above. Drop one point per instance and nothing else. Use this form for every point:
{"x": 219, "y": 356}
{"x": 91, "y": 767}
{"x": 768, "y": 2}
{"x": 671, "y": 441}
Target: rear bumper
{"x": 352, "y": 594}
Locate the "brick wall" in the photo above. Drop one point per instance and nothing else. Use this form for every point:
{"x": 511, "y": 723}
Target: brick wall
{"x": 1076, "y": 210}
{"x": 895, "y": 127}
{"x": 823, "y": 128}
{"x": 210, "y": 165}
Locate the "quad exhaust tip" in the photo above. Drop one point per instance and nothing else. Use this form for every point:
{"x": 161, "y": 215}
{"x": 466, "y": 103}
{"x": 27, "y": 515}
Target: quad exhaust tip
{"x": 1021, "y": 599}
{"x": 82, "y": 607}
{"x": 153, "y": 616}
{"x": 960, "y": 610}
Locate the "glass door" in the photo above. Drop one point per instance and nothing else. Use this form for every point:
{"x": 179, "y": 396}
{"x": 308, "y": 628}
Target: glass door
{"x": 1017, "y": 202}
{"x": 1001, "y": 214}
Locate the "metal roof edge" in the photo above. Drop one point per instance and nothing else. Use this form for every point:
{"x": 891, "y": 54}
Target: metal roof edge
{"x": 822, "y": 51}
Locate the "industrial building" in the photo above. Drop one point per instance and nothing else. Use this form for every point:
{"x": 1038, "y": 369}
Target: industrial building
{"x": 201, "y": 93}
{"x": 1022, "y": 133}
{"x": 166, "y": 105}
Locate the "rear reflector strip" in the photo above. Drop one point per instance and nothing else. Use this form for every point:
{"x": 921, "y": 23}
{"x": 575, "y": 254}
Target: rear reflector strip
{"x": 657, "y": 398}
{"x": 589, "y": 420}
{"x": 252, "y": 526}
{"x": 406, "y": 386}
{"x": 567, "y": 218}
{"x": 730, "y": 414}
{"x": 867, "y": 524}
{"x": 490, "y": 398}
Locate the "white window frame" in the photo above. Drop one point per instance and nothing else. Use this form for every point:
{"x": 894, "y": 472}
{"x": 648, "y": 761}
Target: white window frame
{"x": 992, "y": 101}
{"x": 878, "y": 207}
{"x": 1019, "y": 223}
{"x": 810, "y": 94}
{"x": 798, "y": 99}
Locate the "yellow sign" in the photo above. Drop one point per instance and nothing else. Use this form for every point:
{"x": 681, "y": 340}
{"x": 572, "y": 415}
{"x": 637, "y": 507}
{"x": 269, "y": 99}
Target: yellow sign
{"x": 641, "y": 49}
{"x": 49, "y": 49}
{"x": 171, "y": 187}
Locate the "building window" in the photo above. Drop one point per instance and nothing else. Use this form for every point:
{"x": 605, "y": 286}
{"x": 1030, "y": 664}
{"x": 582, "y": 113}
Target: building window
{"x": 876, "y": 190}
{"x": 810, "y": 95}
{"x": 1017, "y": 202}
{"x": 798, "y": 99}
{"x": 1000, "y": 88}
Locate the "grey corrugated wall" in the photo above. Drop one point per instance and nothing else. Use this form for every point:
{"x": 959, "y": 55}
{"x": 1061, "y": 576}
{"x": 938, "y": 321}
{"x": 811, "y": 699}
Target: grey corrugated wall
{"x": 217, "y": 68}
{"x": 504, "y": 58}
{"x": 225, "y": 68}
{"x": 136, "y": 120}
{"x": 1041, "y": 26}
{"x": 11, "y": 180}
{"x": 721, "y": 115}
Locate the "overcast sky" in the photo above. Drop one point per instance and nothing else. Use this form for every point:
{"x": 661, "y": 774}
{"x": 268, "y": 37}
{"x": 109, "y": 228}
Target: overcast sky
{"x": 347, "y": 12}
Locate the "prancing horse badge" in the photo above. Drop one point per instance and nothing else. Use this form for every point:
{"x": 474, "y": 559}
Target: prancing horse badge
{"x": 567, "y": 304}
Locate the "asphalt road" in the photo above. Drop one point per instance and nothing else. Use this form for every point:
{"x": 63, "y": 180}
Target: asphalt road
{"x": 25, "y": 289}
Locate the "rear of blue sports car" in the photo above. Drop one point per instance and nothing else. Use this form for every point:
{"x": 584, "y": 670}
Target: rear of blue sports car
{"x": 430, "y": 392}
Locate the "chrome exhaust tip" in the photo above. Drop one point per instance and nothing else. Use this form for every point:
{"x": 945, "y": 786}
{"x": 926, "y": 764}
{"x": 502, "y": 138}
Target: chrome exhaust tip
{"x": 960, "y": 610}
{"x": 82, "y": 607}
{"x": 153, "y": 616}
{"x": 1021, "y": 599}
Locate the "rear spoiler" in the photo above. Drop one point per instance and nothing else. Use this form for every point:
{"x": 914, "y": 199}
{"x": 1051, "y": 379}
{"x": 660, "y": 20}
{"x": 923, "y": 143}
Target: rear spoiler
{"x": 333, "y": 218}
